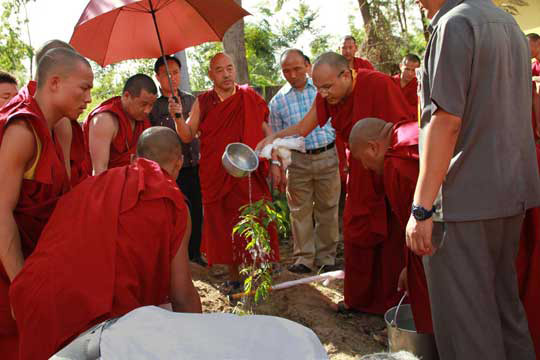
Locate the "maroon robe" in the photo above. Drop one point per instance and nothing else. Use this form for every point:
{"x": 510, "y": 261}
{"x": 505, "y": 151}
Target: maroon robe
{"x": 124, "y": 143}
{"x": 238, "y": 118}
{"x": 401, "y": 166}
{"x": 360, "y": 63}
{"x": 373, "y": 259}
{"x": 341, "y": 149}
{"x": 106, "y": 250}
{"x": 37, "y": 199}
{"x": 80, "y": 164}
{"x": 410, "y": 91}
{"x": 528, "y": 269}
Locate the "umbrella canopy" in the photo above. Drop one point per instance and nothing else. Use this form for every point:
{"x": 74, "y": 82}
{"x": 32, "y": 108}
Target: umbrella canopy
{"x": 110, "y": 31}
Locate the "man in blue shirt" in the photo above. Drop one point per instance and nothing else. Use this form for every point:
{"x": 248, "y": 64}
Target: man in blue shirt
{"x": 313, "y": 182}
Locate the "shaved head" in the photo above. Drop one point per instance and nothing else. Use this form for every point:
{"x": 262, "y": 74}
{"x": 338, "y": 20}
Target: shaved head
{"x": 369, "y": 141}
{"x": 411, "y": 58}
{"x": 332, "y": 77}
{"x": 368, "y": 129}
{"x": 162, "y": 145}
{"x": 222, "y": 73}
{"x": 61, "y": 62}
{"x": 49, "y": 45}
{"x": 333, "y": 60}
{"x": 218, "y": 58}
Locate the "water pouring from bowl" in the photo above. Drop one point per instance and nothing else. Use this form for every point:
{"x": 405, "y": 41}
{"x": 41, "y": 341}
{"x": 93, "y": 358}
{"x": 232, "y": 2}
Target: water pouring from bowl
{"x": 239, "y": 160}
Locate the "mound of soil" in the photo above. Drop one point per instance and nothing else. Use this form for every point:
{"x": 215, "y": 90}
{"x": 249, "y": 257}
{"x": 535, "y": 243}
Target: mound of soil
{"x": 344, "y": 336}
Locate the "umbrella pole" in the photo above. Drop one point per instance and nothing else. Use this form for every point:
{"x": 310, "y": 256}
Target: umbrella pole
{"x": 153, "y": 13}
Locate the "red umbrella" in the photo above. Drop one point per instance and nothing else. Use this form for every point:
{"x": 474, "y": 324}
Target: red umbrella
{"x": 110, "y": 31}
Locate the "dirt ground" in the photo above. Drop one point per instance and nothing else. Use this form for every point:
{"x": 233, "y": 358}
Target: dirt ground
{"x": 344, "y": 336}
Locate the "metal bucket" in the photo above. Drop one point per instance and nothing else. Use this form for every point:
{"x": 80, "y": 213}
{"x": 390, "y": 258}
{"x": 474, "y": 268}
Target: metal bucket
{"x": 402, "y": 333}
{"x": 239, "y": 160}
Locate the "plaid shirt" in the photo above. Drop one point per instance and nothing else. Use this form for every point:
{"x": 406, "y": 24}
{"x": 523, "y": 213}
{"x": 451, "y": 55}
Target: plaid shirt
{"x": 289, "y": 106}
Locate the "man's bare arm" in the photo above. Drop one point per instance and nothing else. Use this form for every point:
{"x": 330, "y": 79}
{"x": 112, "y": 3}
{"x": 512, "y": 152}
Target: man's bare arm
{"x": 63, "y": 132}
{"x": 16, "y": 153}
{"x": 184, "y": 296}
{"x": 302, "y": 128}
{"x": 103, "y": 129}
{"x": 187, "y": 129}
{"x": 438, "y": 149}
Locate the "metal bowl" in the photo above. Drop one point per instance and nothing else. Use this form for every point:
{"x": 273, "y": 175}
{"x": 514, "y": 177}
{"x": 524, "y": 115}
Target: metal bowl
{"x": 239, "y": 160}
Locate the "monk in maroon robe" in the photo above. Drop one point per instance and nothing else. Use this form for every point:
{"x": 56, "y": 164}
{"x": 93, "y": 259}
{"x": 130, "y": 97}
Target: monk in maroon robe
{"x": 115, "y": 243}
{"x": 78, "y": 165}
{"x": 68, "y": 131}
{"x": 8, "y": 87}
{"x": 112, "y": 129}
{"x": 373, "y": 259}
{"x": 392, "y": 151}
{"x": 349, "y": 50}
{"x": 229, "y": 113}
{"x": 408, "y": 83}
{"x": 32, "y": 157}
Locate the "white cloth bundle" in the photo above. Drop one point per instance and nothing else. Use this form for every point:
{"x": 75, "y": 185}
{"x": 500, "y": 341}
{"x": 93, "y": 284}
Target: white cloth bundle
{"x": 284, "y": 147}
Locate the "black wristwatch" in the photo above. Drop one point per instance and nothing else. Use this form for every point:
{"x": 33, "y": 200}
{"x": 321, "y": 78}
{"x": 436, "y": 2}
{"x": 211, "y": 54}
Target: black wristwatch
{"x": 420, "y": 213}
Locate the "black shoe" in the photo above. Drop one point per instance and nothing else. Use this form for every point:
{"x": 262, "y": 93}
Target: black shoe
{"x": 327, "y": 268}
{"x": 299, "y": 269}
{"x": 199, "y": 260}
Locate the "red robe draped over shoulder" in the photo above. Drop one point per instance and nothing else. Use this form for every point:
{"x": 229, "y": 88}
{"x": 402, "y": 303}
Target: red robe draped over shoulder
{"x": 80, "y": 164}
{"x": 528, "y": 269}
{"x": 124, "y": 143}
{"x": 401, "y": 166}
{"x": 373, "y": 260}
{"x": 106, "y": 250}
{"x": 238, "y": 118}
{"x": 37, "y": 198}
{"x": 410, "y": 91}
{"x": 360, "y": 63}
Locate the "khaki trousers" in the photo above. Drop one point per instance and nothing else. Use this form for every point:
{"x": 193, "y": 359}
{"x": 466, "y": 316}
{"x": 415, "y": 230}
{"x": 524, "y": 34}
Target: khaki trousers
{"x": 475, "y": 305}
{"x": 313, "y": 189}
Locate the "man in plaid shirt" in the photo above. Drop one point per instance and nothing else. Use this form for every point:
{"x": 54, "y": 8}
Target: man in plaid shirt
{"x": 313, "y": 182}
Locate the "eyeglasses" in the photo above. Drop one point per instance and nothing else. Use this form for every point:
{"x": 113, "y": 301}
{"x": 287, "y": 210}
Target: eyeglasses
{"x": 326, "y": 88}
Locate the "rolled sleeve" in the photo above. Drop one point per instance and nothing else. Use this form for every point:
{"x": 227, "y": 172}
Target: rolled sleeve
{"x": 451, "y": 56}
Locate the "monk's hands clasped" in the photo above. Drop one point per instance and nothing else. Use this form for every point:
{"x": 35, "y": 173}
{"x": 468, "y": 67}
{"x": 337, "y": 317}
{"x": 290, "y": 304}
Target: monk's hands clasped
{"x": 175, "y": 107}
{"x": 418, "y": 236}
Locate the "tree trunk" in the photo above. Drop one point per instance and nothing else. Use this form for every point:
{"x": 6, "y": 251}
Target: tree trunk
{"x": 184, "y": 78}
{"x": 400, "y": 20}
{"x": 368, "y": 20}
{"x": 234, "y": 45}
{"x": 404, "y": 12}
{"x": 424, "y": 25}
